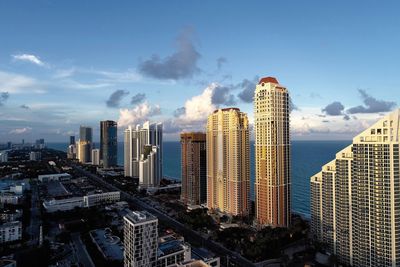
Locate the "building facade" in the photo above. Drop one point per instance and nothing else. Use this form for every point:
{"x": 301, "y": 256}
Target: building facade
{"x": 228, "y": 162}
{"x": 272, "y": 154}
{"x": 140, "y": 239}
{"x": 85, "y": 144}
{"x": 96, "y": 156}
{"x": 3, "y": 156}
{"x": 355, "y": 198}
{"x": 108, "y": 143}
{"x": 135, "y": 141}
{"x": 193, "y": 168}
{"x": 149, "y": 175}
{"x": 10, "y": 231}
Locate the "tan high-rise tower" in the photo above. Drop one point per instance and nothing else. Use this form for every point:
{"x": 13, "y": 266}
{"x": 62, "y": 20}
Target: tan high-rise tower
{"x": 228, "y": 162}
{"x": 272, "y": 148}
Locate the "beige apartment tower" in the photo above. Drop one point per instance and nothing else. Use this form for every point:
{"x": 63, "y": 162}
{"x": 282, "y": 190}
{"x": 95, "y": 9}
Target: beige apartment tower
{"x": 228, "y": 162}
{"x": 355, "y": 199}
{"x": 272, "y": 154}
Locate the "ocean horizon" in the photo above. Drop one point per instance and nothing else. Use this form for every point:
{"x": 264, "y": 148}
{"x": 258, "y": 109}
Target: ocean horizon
{"x": 307, "y": 159}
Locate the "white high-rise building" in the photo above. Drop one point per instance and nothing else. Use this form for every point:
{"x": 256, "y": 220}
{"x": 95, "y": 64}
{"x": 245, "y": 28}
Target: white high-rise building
{"x": 35, "y": 155}
{"x": 96, "y": 156}
{"x": 355, "y": 199}
{"x": 140, "y": 239}
{"x": 135, "y": 141}
{"x": 3, "y": 156}
{"x": 148, "y": 167}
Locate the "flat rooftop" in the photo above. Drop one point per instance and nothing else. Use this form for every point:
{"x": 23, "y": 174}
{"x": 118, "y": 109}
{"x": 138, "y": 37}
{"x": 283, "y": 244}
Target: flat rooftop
{"x": 109, "y": 245}
{"x": 140, "y": 216}
{"x": 170, "y": 247}
{"x": 56, "y": 189}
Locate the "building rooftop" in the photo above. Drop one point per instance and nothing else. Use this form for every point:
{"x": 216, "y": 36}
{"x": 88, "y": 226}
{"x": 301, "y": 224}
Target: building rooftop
{"x": 140, "y": 216}
{"x": 169, "y": 247}
{"x": 268, "y": 80}
{"x": 109, "y": 245}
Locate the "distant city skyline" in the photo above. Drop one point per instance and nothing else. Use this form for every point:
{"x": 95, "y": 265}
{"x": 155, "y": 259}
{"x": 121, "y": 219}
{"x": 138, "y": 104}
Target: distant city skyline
{"x": 62, "y": 64}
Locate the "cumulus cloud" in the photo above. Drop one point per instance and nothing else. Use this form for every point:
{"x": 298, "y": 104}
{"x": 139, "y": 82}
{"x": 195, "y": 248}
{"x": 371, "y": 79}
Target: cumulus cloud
{"x": 181, "y": 64}
{"x": 24, "y": 106}
{"x": 334, "y": 109}
{"x": 21, "y": 130}
{"x": 220, "y": 62}
{"x": 371, "y": 104}
{"x": 179, "y": 111}
{"x": 115, "y": 98}
{"x": 247, "y": 89}
{"x": 3, "y": 97}
{"x": 221, "y": 95}
{"x": 138, "y": 114}
{"x": 28, "y": 58}
{"x": 200, "y": 106}
{"x": 138, "y": 98}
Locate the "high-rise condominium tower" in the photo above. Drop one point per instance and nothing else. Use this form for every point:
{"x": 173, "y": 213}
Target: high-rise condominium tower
{"x": 140, "y": 239}
{"x": 193, "y": 168}
{"x": 272, "y": 153}
{"x": 108, "y": 143}
{"x": 228, "y": 162}
{"x": 355, "y": 199}
{"x": 85, "y": 145}
{"x": 135, "y": 141}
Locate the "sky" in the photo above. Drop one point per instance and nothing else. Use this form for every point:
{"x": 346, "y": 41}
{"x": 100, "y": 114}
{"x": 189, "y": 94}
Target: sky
{"x": 70, "y": 63}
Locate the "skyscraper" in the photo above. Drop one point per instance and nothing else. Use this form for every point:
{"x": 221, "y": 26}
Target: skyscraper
{"x": 148, "y": 167}
{"x": 85, "y": 134}
{"x": 84, "y": 151}
{"x": 228, "y": 162}
{"x": 355, "y": 198}
{"x": 193, "y": 168}
{"x": 96, "y": 156}
{"x": 72, "y": 140}
{"x": 85, "y": 145}
{"x": 140, "y": 239}
{"x": 272, "y": 153}
{"x": 108, "y": 143}
{"x": 135, "y": 140}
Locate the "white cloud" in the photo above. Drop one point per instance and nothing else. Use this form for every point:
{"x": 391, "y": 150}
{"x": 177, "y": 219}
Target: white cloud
{"x": 21, "y": 130}
{"x": 29, "y": 58}
{"x": 16, "y": 83}
{"x": 137, "y": 115}
{"x": 199, "y": 107}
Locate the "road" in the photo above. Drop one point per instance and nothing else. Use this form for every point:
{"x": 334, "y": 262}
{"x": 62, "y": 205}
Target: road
{"x": 189, "y": 234}
{"x": 35, "y": 221}
{"x": 80, "y": 251}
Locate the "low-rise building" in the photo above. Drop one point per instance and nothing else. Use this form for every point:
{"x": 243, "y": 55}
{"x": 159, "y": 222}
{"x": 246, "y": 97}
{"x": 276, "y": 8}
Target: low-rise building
{"x": 109, "y": 245}
{"x": 54, "y": 177}
{"x": 10, "y": 198}
{"x": 10, "y": 215}
{"x": 101, "y": 198}
{"x": 66, "y": 204}
{"x": 172, "y": 250}
{"x": 10, "y": 231}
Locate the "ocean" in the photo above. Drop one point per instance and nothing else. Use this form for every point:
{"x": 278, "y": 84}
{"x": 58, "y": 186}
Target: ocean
{"x": 307, "y": 159}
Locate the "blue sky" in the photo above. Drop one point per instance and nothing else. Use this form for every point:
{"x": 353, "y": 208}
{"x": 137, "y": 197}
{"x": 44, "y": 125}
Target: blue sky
{"x": 68, "y": 63}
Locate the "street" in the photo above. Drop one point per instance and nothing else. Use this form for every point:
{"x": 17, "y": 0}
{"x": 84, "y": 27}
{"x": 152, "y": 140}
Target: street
{"x": 189, "y": 234}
